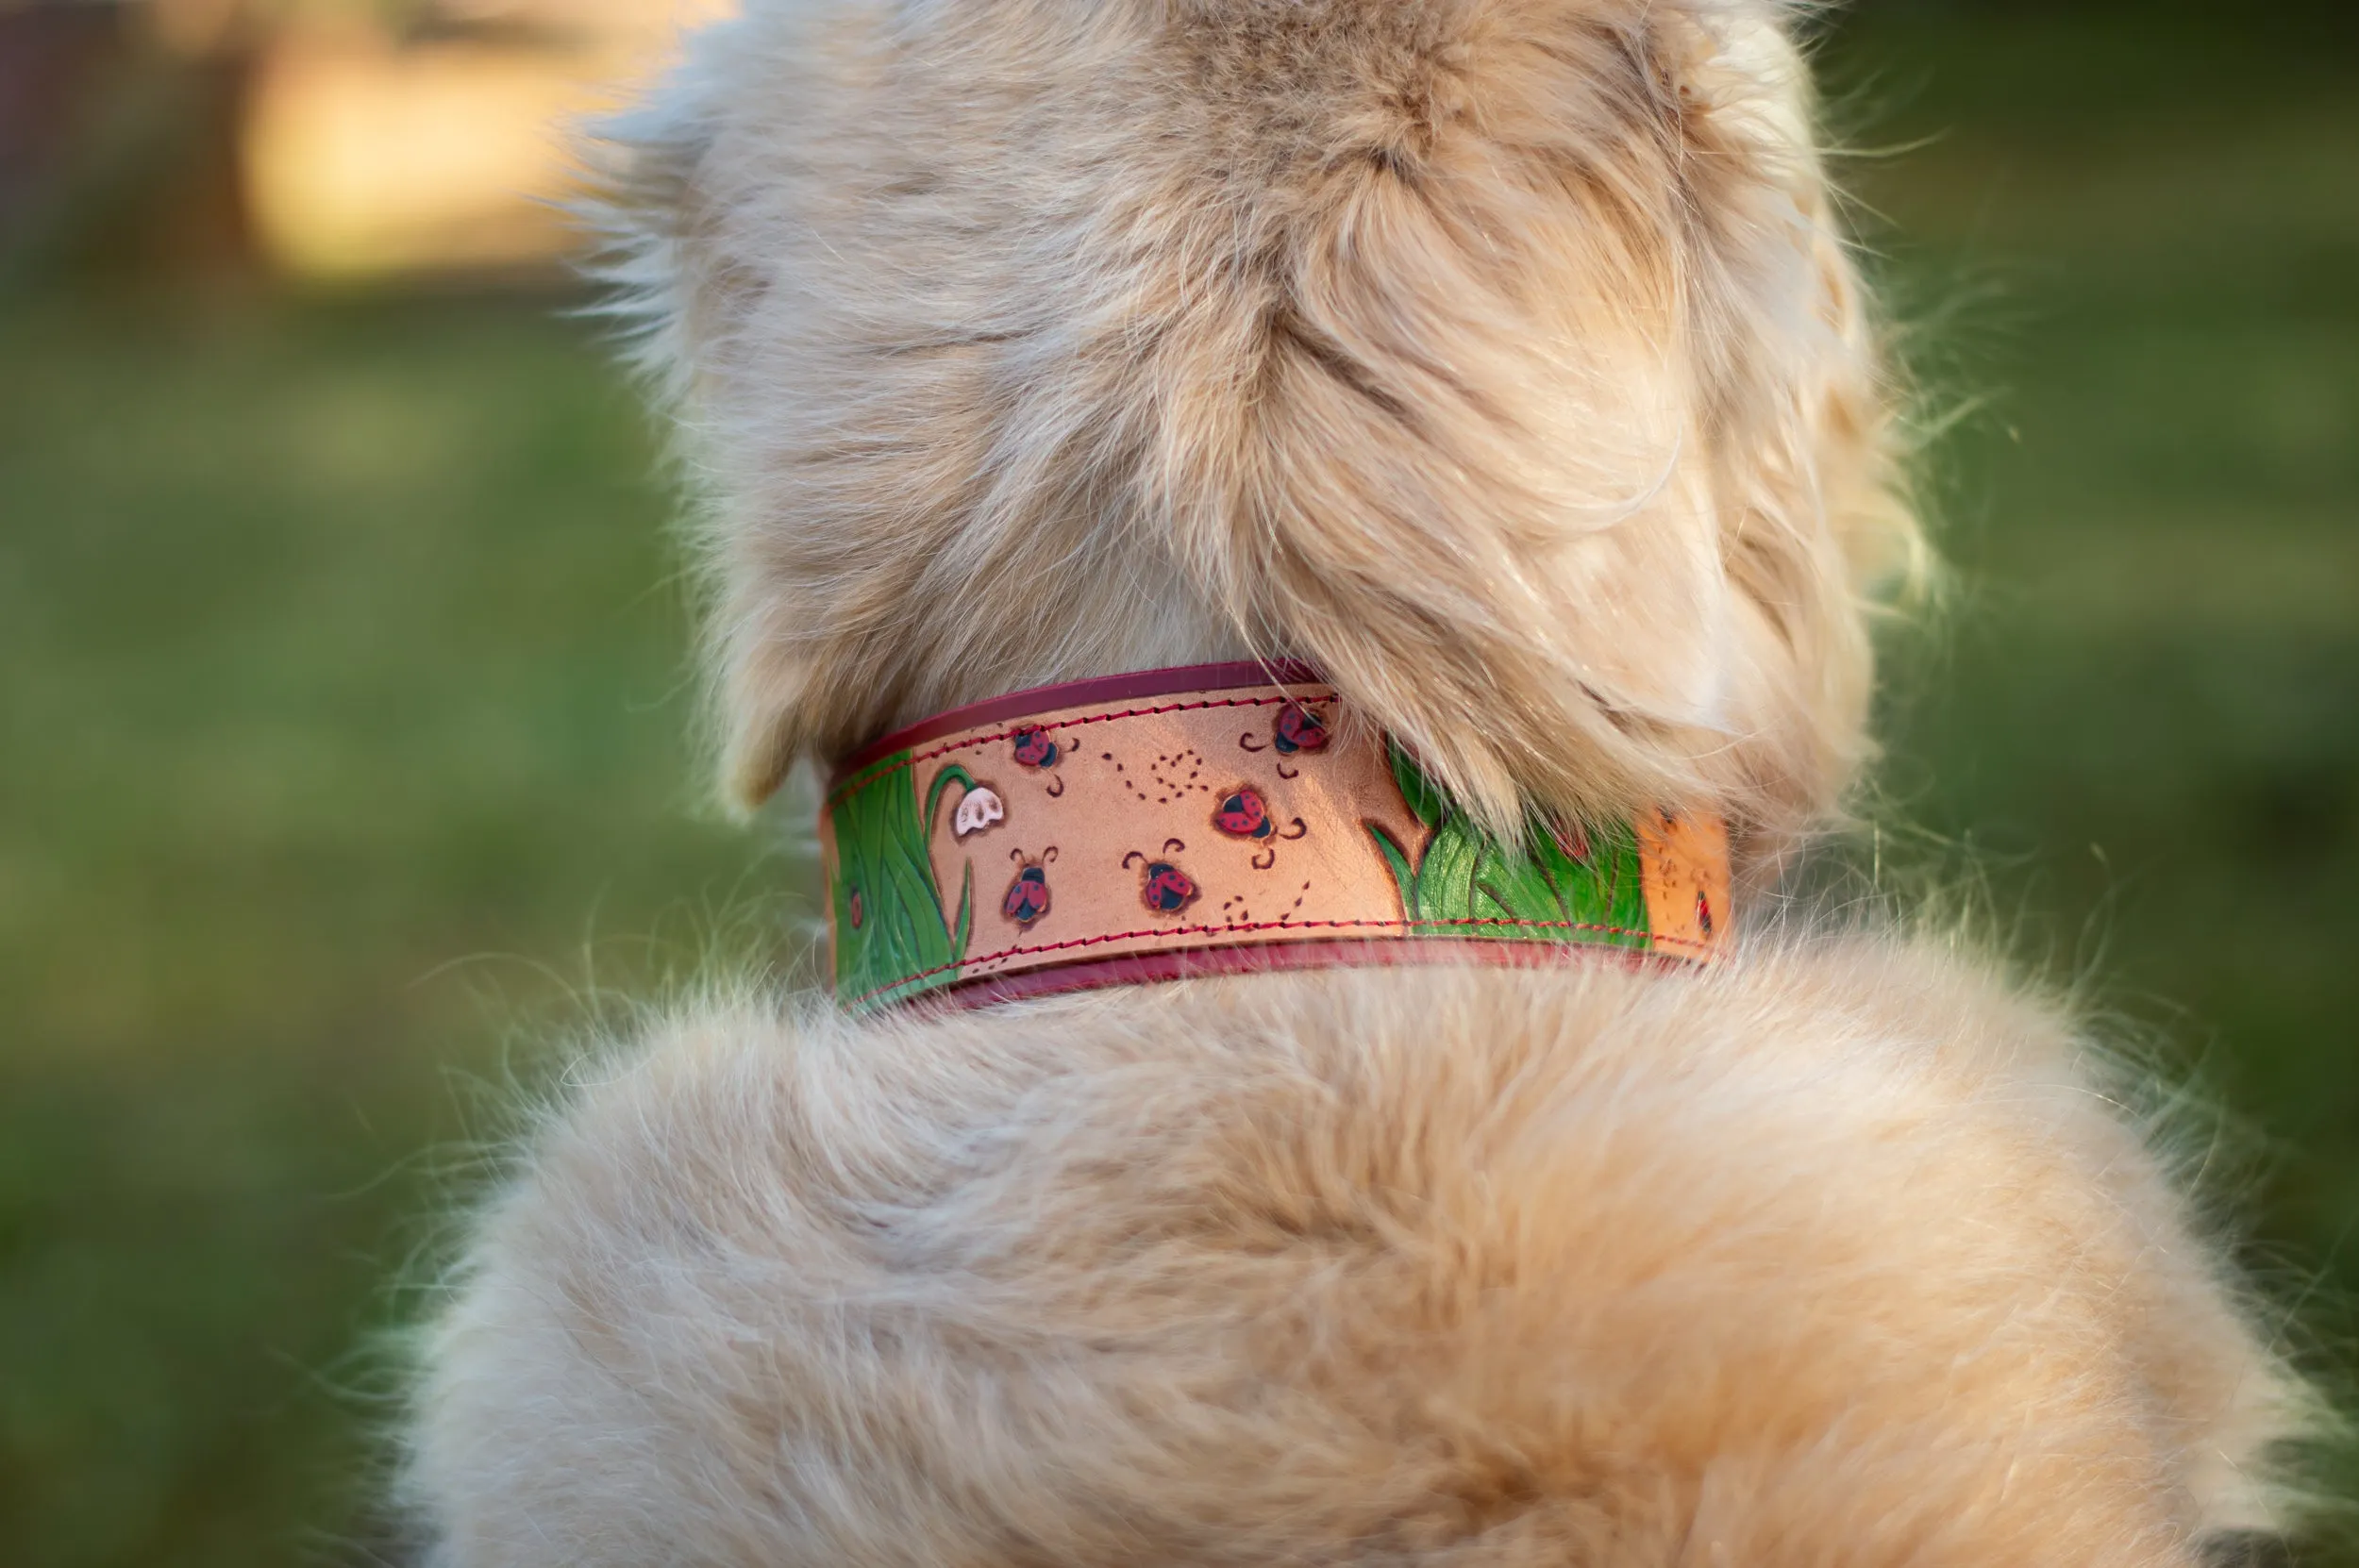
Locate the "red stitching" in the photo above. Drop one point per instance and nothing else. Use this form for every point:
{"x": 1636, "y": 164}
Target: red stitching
{"x": 1270, "y": 926}
{"x": 865, "y": 778}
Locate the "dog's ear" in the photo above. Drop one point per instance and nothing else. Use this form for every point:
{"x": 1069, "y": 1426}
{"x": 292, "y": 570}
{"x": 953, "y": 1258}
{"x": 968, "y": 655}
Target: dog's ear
{"x": 1500, "y": 356}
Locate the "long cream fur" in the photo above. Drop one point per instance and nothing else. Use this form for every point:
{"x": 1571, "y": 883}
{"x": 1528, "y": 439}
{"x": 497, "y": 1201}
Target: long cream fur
{"x": 1502, "y": 358}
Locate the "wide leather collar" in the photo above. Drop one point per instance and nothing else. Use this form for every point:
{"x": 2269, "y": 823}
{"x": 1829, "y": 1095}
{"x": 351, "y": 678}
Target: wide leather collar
{"x": 1209, "y": 819}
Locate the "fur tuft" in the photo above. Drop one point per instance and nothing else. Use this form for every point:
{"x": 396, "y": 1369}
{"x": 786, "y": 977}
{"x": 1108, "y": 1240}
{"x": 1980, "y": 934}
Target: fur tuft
{"x": 1500, "y": 356}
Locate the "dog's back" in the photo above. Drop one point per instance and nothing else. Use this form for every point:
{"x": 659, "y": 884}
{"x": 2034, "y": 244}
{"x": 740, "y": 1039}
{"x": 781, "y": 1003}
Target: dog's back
{"x": 1830, "y": 1258}
{"x": 1498, "y": 356}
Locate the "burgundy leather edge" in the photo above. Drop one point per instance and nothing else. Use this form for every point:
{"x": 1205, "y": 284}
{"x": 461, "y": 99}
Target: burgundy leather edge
{"x": 1149, "y": 968}
{"x": 1072, "y": 694}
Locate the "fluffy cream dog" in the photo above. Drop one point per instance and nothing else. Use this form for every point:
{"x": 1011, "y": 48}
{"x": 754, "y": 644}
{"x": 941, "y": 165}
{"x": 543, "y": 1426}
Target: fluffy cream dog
{"x": 1502, "y": 359}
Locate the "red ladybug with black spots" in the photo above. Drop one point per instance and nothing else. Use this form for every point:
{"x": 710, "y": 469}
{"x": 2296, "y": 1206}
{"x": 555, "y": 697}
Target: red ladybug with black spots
{"x": 1033, "y": 748}
{"x": 1028, "y": 895}
{"x": 1165, "y": 888}
{"x": 1168, "y": 889}
{"x": 1244, "y": 815}
{"x": 1297, "y": 729}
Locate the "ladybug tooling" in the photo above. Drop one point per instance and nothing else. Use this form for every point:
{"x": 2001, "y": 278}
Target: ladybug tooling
{"x": 1165, "y": 889}
{"x": 1297, "y": 729}
{"x": 1026, "y": 899}
{"x": 1246, "y": 815}
{"x": 1033, "y": 748}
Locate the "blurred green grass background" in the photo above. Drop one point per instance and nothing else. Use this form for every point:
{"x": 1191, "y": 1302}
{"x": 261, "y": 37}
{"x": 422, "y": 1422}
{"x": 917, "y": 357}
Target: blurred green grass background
{"x": 344, "y": 704}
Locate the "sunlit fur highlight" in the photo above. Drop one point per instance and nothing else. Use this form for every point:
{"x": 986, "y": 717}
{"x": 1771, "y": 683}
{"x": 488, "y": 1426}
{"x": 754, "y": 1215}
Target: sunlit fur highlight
{"x": 1502, "y": 358}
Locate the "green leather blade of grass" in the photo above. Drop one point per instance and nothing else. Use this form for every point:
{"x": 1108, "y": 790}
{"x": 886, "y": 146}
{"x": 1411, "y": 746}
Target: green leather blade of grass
{"x": 1465, "y": 878}
{"x": 880, "y": 844}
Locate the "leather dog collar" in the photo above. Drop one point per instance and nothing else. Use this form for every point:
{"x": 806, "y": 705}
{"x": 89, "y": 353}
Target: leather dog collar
{"x": 1207, "y": 820}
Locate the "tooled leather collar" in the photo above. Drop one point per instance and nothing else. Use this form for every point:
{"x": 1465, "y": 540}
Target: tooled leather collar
{"x": 1208, "y": 820}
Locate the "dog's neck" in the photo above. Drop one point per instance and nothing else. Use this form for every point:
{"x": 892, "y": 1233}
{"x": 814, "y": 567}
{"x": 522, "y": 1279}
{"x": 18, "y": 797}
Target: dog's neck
{"x": 1209, "y": 819}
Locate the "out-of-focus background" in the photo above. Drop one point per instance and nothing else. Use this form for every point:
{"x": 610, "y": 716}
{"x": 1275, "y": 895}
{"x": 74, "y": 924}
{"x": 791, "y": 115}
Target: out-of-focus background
{"x": 344, "y": 693}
